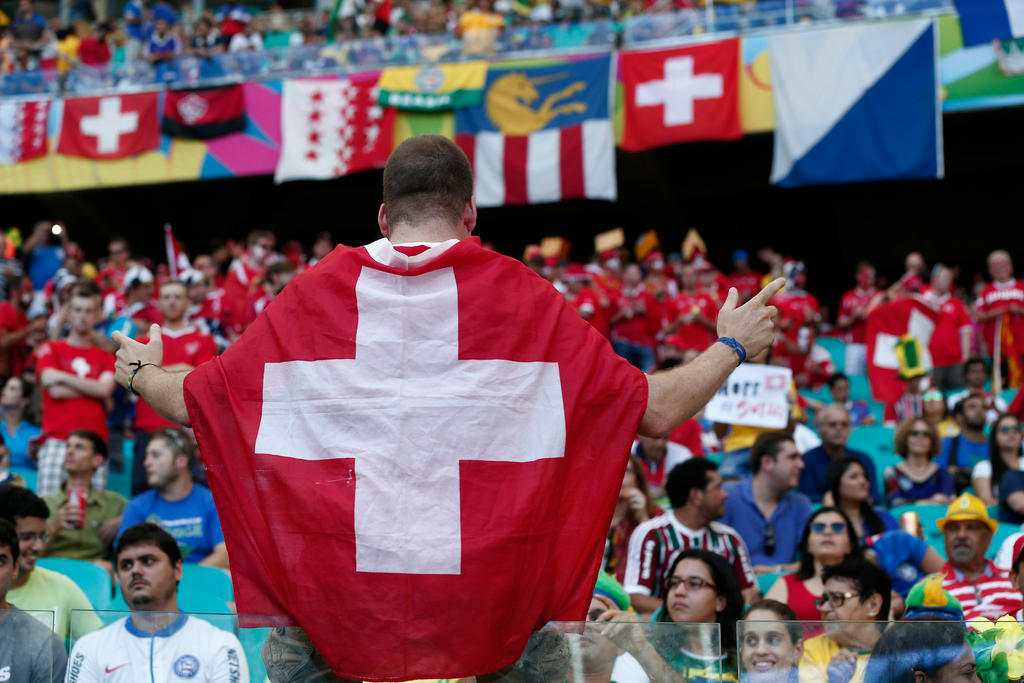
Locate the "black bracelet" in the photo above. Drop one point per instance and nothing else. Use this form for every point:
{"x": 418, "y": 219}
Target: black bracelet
{"x": 735, "y": 346}
{"x": 136, "y": 366}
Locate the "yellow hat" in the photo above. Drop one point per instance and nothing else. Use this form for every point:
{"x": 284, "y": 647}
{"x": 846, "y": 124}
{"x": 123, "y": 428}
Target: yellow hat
{"x": 967, "y": 508}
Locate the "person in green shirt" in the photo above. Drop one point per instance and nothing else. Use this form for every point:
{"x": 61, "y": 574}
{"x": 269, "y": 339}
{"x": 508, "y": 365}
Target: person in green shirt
{"x": 72, "y": 535}
{"x": 36, "y": 588}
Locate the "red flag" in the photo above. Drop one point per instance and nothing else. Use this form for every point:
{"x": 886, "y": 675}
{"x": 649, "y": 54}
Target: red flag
{"x": 109, "y": 127}
{"x": 682, "y": 94}
{"x": 424, "y": 476}
{"x": 177, "y": 259}
{"x": 203, "y": 113}
{"x": 885, "y": 325}
{"x": 22, "y": 130}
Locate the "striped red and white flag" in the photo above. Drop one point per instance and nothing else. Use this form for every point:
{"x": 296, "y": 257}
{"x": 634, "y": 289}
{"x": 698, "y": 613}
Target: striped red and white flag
{"x": 546, "y": 166}
{"x": 22, "y": 130}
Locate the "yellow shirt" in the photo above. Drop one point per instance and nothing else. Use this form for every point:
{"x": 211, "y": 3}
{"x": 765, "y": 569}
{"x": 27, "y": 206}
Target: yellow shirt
{"x": 818, "y": 652}
{"x": 54, "y": 592}
{"x": 474, "y": 20}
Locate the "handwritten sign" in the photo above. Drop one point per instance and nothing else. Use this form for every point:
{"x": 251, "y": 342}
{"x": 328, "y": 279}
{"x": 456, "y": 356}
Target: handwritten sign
{"x": 754, "y": 395}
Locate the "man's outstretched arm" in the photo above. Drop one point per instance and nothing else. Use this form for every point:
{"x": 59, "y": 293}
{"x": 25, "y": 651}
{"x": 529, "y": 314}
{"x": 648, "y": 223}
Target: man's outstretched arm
{"x": 164, "y": 391}
{"x": 676, "y": 395}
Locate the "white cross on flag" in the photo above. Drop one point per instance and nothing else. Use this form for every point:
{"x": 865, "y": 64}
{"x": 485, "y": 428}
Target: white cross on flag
{"x": 330, "y": 128}
{"x": 682, "y": 94}
{"x": 416, "y": 471}
{"x": 22, "y": 130}
{"x": 109, "y": 127}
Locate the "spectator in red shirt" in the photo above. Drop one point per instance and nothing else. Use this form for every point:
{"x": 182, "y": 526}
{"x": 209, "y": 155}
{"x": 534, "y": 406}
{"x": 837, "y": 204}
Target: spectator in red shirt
{"x": 276, "y": 278}
{"x": 951, "y": 341}
{"x": 185, "y": 348}
{"x": 582, "y": 297}
{"x": 94, "y": 50}
{"x": 15, "y": 327}
{"x": 77, "y": 377}
{"x": 634, "y": 323}
{"x": 746, "y": 281}
{"x": 691, "y": 315}
{"x": 853, "y": 315}
{"x": 1002, "y": 300}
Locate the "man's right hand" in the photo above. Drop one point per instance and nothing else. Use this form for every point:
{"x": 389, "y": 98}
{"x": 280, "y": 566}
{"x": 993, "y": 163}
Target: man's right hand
{"x": 753, "y": 323}
{"x": 131, "y": 351}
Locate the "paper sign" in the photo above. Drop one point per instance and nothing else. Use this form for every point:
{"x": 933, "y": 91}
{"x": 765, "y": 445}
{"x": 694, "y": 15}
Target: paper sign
{"x": 754, "y": 395}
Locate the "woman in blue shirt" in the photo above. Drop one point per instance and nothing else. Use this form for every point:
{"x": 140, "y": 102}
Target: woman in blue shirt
{"x": 17, "y": 431}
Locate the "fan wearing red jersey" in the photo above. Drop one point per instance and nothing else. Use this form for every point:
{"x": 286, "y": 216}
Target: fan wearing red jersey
{"x": 185, "y": 348}
{"x": 382, "y": 322}
{"x": 77, "y": 376}
{"x": 1000, "y": 307}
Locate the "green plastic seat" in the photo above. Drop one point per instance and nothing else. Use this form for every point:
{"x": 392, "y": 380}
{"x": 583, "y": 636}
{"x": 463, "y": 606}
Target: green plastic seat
{"x": 836, "y": 348}
{"x": 206, "y": 580}
{"x": 93, "y": 580}
{"x": 766, "y": 581}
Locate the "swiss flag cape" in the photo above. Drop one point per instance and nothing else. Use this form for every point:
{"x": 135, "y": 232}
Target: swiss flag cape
{"x": 885, "y": 325}
{"x": 416, "y": 469}
{"x": 680, "y": 95}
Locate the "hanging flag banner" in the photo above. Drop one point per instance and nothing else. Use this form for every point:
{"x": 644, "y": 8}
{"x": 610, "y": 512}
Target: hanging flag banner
{"x": 433, "y": 87}
{"x": 204, "y": 113}
{"x": 109, "y": 127}
{"x": 22, "y": 130}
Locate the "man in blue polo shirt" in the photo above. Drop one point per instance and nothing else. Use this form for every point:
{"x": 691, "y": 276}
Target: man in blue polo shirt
{"x": 834, "y": 428}
{"x": 765, "y": 510}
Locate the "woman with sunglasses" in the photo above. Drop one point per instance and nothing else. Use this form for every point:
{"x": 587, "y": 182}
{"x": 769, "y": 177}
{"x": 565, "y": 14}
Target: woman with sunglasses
{"x": 1004, "y": 454}
{"x": 701, "y": 589}
{"x": 847, "y": 483}
{"x": 918, "y": 479}
{"x": 828, "y": 539}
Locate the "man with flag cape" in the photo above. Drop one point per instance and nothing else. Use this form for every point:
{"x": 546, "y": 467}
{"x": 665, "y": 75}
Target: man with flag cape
{"x": 417, "y": 449}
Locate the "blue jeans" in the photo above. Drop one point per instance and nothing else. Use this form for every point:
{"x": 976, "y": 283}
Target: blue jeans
{"x": 638, "y": 355}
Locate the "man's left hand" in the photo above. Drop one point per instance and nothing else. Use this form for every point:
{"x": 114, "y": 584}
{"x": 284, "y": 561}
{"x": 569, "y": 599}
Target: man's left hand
{"x": 131, "y": 351}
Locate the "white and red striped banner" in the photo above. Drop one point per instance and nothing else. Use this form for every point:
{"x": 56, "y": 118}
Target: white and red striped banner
{"x": 546, "y": 166}
{"x": 22, "y": 130}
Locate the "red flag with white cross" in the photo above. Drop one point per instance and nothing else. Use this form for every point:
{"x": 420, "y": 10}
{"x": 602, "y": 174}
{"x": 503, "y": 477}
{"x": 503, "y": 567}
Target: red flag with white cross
{"x": 415, "y": 471}
{"x": 680, "y": 95}
{"x": 332, "y": 127}
{"x": 109, "y": 127}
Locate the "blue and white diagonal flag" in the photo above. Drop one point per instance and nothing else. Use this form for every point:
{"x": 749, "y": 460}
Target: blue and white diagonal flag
{"x": 856, "y": 103}
{"x": 985, "y": 20}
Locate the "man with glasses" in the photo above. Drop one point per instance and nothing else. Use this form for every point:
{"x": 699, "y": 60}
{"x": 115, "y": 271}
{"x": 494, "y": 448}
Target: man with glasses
{"x": 982, "y": 588}
{"x": 855, "y": 608}
{"x": 36, "y": 588}
{"x": 834, "y": 428}
{"x": 768, "y": 514}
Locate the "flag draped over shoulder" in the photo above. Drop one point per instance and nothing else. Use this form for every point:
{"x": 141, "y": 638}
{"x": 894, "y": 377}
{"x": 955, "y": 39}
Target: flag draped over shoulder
{"x": 886, "y": 325}
{"x": 415, "y": 471}
{"x": 432, "y": 87}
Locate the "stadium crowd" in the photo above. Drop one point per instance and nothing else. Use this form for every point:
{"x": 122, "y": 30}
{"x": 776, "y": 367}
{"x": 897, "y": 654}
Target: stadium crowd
{"x": 798, "y": 523}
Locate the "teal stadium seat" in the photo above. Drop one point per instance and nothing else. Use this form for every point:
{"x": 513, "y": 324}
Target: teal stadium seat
{"x": 929, "y": 515}
{"x": 1008, "y": 395}
{"x": 207, "y": 581}
{"x": 875, "y": 440}
{"x": 29, "y": 476}
{"x": 93, "y": 580}
{"x": 193, "y": 602}
{"x": 836, "y": 348}
{"x": 1004, "y": 531}
{"x": 860, "y": 388}
{"x": 766, "y": 581}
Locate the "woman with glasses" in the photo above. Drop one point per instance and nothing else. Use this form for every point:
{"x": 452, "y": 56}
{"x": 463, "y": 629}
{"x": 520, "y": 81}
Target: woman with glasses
{"x": 1004, "y": 454}
{"x": 701, "y": 589}
{"x": 846, "y": 481}
{"x": 771, "y": 642}
{"x": 918, "y": 479}
{"x": 828, "y": 539}
{"x": 634, "y": 506}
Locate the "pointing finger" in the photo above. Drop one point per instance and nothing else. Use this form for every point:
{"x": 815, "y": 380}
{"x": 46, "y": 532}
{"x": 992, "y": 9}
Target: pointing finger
{"x": 120, "y": 338}
{"x": 730, "y": 300}
{"x": 770, "y": 290}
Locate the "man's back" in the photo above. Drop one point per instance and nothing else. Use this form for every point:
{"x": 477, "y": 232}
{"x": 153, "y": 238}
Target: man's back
{"x": 29, "y": 651}
{"x": 187, "y": 649}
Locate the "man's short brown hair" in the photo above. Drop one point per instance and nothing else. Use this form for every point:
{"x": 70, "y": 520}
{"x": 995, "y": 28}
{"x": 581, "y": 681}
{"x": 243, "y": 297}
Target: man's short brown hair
{"x": 427, "y": 176}
{"x": 87, "y": 289}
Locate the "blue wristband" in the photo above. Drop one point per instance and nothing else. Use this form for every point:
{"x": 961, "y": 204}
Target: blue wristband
{"x": 735, "y": 346}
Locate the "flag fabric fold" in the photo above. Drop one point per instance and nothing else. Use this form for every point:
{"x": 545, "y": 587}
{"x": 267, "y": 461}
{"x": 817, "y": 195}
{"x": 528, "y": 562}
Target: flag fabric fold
{"x": 177, "y": 259}
{"x": 982, "y": 21}
{"x": 433, "y": 87}
{"x": 416, "y": 479}
{"x": 204, "y": 113}
{"x": 856, "y": 103}
{"x": 887, "y": 324}
{"x": 542, "y": 134}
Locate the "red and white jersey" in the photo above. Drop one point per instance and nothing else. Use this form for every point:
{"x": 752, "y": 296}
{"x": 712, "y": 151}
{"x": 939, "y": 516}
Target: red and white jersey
{"x": 999, "y": 296}
{"x": 655, "y": 544}
{"x": 747, "y": 284}
{"x": 63, "y": 416}
{"x": 187, "y": 345}
{"x": 695, "y": 335}
{"x": 851, "y": 301}
{"x": 798, "y": 306}
{"x": 992, "y": 595}
{"x": 642, "y": 320}
{"x": 189, "y": 649}
{"x": 587, "y": 303}
{"x": 953, "y": 319}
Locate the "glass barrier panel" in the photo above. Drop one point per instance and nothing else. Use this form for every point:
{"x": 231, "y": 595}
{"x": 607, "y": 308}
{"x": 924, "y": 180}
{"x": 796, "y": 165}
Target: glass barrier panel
{"x": 29, "y": 649}
{"x": 771, "y": 650}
